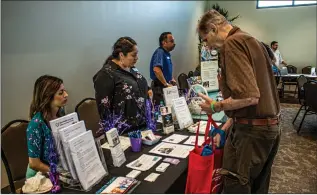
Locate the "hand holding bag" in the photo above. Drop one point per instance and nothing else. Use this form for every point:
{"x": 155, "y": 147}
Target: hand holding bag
{"x": 203, "y": 171}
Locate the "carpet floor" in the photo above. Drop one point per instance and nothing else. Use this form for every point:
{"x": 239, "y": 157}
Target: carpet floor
{"x": 295, "y": 165}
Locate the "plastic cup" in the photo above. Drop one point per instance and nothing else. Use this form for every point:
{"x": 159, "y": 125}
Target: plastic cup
{"x": 136, "y": 144}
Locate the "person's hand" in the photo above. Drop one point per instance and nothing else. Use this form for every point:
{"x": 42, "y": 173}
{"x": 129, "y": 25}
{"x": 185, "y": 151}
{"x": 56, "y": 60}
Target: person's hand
{"x": 217, "y": 139}
{"x": 169, "y": 85}
{"x": 227, "y": 125}
{"x": 173, "y": 82}
{"x": 150, "y": 93}
{"x": 205, "y": 106}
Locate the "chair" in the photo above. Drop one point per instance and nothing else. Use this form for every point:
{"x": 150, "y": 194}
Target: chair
{"x": 310, "y": 89}
{"x": 306, "y": 70}
{"x": 190, "y": 74}
{"x": 182, "y": 81}
{"x": 291, "y": 69}
{"x": 14, "y": 152}
{"x": 291, "y": 81}
{"x": 87, "y": 111}
{"x": 301, "y": 94}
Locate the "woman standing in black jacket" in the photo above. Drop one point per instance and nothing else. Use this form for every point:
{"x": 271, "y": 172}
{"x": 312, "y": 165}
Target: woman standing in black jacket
{"x": 120, "y": 90}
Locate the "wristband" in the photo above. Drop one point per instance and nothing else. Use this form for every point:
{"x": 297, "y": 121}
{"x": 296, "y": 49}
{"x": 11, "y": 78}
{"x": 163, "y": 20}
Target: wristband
{"x": 212, "y": 106}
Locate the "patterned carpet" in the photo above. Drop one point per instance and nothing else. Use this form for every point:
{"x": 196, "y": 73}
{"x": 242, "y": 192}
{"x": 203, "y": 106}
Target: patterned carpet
{"x": 295, "y": 166}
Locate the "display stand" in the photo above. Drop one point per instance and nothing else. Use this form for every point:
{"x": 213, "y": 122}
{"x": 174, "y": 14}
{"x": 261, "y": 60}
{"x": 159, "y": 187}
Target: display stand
{"x": 100, "y": 151}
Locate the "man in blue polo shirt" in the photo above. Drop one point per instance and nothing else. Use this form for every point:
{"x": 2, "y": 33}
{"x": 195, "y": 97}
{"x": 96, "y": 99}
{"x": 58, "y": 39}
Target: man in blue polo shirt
{"x": 161, "y": 67}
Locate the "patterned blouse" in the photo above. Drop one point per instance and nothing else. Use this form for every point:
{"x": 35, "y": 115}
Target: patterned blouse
{"x": 38, "y": 138}
{"x": 121, "y": 98}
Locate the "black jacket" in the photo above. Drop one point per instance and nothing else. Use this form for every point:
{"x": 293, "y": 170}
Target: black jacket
{"x": 120, "y": 95}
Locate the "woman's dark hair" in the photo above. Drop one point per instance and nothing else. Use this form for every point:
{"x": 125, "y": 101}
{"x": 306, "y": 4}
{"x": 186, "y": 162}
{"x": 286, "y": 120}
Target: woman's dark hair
{"x": 45, "y": 88}
{"x": 124, "y": 45}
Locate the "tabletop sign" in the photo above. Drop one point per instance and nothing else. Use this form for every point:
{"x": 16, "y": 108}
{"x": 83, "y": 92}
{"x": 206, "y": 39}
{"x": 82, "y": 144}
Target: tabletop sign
{"x": 182, "y": 112}
{"x": 170, "y": 93}
{"x": 58, "y": 124}
{"x": 86, "y": 160}
{"x": 209, "y": 71}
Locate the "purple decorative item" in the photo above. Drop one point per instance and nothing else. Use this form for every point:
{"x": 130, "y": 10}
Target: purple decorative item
{"x": 150, "y": 121}
{"x": 114, "y": 121}
{"x": 53, "y": 174}
{"x": 136, "y": 144}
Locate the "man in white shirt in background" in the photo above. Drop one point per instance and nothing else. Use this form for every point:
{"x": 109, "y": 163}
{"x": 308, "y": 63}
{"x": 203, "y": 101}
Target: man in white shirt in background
{"x": 278, "y": 57}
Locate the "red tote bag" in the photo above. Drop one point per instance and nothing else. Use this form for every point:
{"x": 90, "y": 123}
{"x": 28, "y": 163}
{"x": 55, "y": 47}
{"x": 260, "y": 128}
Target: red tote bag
{"x": 203, "y": 177}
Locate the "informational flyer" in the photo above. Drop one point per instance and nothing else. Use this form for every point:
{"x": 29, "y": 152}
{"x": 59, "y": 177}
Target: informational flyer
{"x": 124, "y": 142}
{"x": 191, "y": 140}
{"x": 58, "y": 124}
{"x": 175, "y": 138}
{"x": 209, "y": 69}
{"x": 182, "y": 112}
{"x": 170, "y": 93}
{"x": 144, "y": 162}
{"x": 172, "y": 150}
{"x": 66, "y": 134}
{"x": 209, "y": 72}
{"x": 86, "y": 159}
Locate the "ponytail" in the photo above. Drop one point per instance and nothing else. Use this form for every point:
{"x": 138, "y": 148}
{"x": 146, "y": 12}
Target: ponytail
{"x": 108, "y": 59}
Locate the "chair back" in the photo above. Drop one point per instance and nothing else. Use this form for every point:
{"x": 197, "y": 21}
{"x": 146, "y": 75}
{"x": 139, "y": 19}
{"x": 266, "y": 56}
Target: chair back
{"x": 182, "y": 81}
{"x": 87, "y": 111}
{"x": 310, "y": 95}
{"x": 301, "y": 80}
{"x": 14, "y": 152}
{"x": 306, "y": 70}
{"x": 291, "y": 69}
{"x": 190, "y": 74}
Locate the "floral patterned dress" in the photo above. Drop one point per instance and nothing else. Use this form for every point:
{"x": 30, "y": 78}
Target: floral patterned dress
{"x": 39, "y": 136}
{"x": 121, "y": 97}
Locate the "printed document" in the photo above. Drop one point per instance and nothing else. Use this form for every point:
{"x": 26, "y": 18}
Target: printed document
{"x": 86, "y": 159}
{"x": 144, "y": 162}
{"x": 173, "y": 150}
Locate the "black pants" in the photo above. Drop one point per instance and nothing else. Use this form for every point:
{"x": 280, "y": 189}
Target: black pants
{"x": 248, "y": 157}
{"x": 157, "y": 88}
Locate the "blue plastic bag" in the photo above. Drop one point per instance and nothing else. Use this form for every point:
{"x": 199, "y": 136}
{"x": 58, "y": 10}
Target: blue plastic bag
{"x": 222, "y": 133}
{"x": 207, "y": 150}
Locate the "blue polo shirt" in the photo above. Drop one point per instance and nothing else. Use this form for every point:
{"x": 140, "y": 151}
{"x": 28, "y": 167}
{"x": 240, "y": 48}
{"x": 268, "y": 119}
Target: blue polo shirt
{"x": 162, "y": 58}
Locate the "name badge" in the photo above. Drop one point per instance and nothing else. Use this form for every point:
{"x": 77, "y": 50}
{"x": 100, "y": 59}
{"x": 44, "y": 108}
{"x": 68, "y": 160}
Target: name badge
{"x": 135, "y": 69}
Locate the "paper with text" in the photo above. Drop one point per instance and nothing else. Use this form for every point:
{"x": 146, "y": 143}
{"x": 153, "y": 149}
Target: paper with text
{"x": 58, "y": 124}
{"x": 86, "y": 159}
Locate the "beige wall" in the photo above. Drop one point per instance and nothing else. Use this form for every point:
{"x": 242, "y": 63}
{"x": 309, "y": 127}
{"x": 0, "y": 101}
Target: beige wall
{"x": 293, "y": 27}
{"x": 71, "y": 39}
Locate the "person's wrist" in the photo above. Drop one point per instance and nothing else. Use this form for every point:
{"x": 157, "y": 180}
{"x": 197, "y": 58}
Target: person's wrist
{"x": 212, "y": 106}
{"x": 219, "y": 106}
